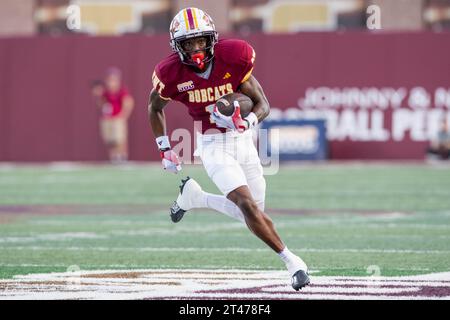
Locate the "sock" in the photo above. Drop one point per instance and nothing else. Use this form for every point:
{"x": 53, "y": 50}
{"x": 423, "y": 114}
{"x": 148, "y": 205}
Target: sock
{"x": 293, "y": 262}
{"x": 222, "y": 204}
{"x": 201, "y": 201}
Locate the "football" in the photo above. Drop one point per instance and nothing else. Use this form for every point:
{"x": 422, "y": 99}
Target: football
{"x": 226, "y": 107}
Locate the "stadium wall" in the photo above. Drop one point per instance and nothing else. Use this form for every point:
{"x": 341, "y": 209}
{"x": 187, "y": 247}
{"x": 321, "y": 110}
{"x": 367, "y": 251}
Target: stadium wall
{"x": 382, "y": 93}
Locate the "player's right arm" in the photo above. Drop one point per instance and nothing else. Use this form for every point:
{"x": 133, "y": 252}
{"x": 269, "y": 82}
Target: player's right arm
{"x": 157, "y": 119}
{"x": 156, "y": 114}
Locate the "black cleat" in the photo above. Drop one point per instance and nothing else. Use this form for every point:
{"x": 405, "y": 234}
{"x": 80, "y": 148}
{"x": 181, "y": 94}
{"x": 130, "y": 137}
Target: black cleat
{"x": 183, "y": 182}
{"x": 300, "y": 279}
{"x": 176, "y": 213}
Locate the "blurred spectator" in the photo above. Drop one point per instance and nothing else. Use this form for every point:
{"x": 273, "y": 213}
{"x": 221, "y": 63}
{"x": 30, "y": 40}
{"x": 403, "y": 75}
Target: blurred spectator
{"x": 441, "y": 145}
{"x": 116, "y": 105}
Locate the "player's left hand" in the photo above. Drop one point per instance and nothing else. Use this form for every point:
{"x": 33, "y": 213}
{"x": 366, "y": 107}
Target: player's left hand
{"x": 170, "y": 161}
{"x": 233, "y": 122}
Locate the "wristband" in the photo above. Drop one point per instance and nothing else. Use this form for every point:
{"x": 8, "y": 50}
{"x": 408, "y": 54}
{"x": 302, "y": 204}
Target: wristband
{"x": 163, "y": 142}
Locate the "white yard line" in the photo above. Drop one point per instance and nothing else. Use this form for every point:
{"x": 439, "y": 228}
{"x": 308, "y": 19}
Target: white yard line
{"x": 53, "y": 237}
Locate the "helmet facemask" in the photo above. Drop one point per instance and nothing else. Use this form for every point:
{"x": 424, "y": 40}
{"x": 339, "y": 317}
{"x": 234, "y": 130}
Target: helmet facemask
{"x": 188, "y": 57}
{"x": 192, "y": 23}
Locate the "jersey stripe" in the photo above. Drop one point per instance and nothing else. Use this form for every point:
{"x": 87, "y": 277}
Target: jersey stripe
{"x": 164, "y": 98}
{"x": 247, "y": 75}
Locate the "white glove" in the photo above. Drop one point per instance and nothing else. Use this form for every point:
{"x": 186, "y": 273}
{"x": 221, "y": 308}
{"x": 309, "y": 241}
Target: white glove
{"x": 170, "y": 161}
{"x": 222, "y": 121}
{"x": 235, "y": 121}
{"x": 169, "y": 158}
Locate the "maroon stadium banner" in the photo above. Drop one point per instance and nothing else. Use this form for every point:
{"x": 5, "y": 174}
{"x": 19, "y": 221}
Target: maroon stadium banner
{"x": 383, "y": 94}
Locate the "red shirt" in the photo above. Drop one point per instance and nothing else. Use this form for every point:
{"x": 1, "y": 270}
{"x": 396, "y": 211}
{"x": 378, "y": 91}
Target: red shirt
{"x": 113, "y": 102}
{"x": 232, "y": 64}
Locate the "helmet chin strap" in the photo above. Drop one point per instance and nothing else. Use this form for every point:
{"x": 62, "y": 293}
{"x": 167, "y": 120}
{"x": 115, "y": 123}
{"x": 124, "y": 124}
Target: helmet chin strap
{"x": 198, "y": 59}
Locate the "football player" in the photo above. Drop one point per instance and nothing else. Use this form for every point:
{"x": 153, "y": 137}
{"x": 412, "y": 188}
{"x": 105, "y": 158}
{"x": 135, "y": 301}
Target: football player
{"x": 200, "y": 71}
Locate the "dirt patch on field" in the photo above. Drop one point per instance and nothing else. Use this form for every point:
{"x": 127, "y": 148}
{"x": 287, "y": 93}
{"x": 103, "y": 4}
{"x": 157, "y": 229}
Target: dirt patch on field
{"x": 364, "y": 212}
{"x": 79, "y": 209}
{"x": 9, "y": 213}
{"x": 130, "y": 275}
{"x": 7, "y": 218}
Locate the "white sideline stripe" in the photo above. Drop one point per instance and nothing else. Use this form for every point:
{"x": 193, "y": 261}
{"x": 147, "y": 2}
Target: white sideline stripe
{"x": 367, "y": 289}
{"x": 228, "y": 249}
{"x": 439, "y": 276}
{"x": 204, "y": 283}
{"x": 143, "y": 295}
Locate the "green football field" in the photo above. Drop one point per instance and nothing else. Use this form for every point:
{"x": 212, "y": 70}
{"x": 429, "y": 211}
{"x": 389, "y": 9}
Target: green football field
{"x": 341, "y": 219}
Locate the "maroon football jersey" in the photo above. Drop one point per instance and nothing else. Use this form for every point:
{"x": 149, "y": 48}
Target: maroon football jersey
{"x": 232, "y": 64}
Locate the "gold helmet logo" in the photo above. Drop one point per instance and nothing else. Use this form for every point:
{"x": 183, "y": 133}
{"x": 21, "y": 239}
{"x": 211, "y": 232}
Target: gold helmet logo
{"x": 175, "y": 26}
